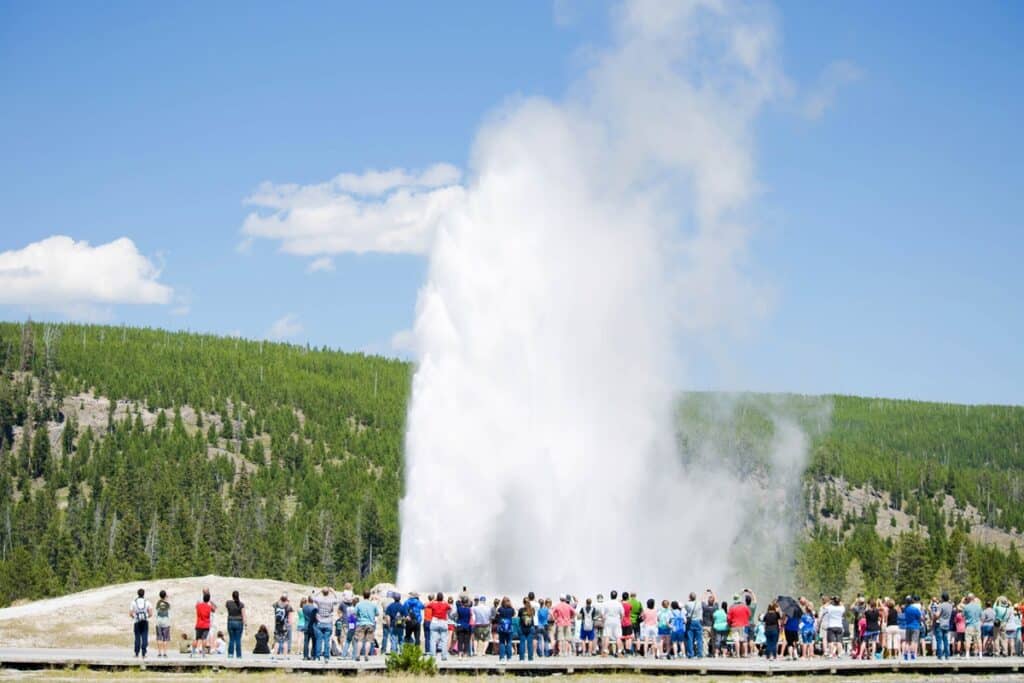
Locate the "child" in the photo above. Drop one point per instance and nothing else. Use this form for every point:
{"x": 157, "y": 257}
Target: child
{"x": 221, "y": 646}
{"x": 185, "y": 646}
{"x": 807, "y": 632}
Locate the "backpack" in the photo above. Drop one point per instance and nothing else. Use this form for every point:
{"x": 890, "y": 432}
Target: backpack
{"x": 280, "y": 617}
{"x": 504, "y": 625}
{"x": 588, "y": 616}
{"x": 139, "y": 608}
{"x": 678, "y": 621}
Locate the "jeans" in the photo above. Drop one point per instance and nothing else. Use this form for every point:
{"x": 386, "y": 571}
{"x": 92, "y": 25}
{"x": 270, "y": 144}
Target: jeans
{"x": 941, "y": 642}
{"x": 309, "y": 641}
{"x": 347, "y": 646}
{"x": 525, "y": 643}
{"x": 504, "y": 646}
{"x": 141, "y": 631}
{"x": 385, "y": 640}
{"x": 323, "y": 642}
{"x": 426, "y": 637}
{"x": 439, "y": 637}
{"x": 771, "y": 643}
{"x": 412, "y": 632}
{"x": 694, "y": 640}
{"x": 284, "y": 640}
{"x": 235, "y": 638}
{"x": 396, "y": 638}
{"x": 543, "y": 639}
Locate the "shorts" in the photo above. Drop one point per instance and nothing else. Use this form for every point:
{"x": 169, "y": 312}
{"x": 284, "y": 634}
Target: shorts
{"x": 202, "y": 633}
{"x": 364, "y": 633}
{"x": 664, "y": 631}
{"x": 739, "y": 634}
{"x": 835, "y": 635}
{"x": 973, "y": 635}
{"x": 792, "y": 637}
{"x": 482, "y": 631}
{"x": 678, "y": 636}
{"x": 586, "y": 636}
{"x": 163, "y": 634}
{"x": 958, "y": 637}
{"x": 912, "y": 636}
{"x": 563, "y": 633}
{"x": 986, "y": 631}
{"x": 807, "y": 637}
{"x": 627, "y": 630}
{"x": 648, "y": 632}
{"x": 870, "y": 635}
{"x": 613, "y": 631}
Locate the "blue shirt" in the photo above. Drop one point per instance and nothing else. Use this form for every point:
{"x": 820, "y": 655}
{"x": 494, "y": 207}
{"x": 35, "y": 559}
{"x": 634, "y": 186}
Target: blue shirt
{"x": 394, "y": 611}
{"x": 972, "y": 613}
{"x": 414, "y": 609}
{"x": 542, "y": 617}
{"x": 366, "y": 613}
{"x": 912, "y": 618}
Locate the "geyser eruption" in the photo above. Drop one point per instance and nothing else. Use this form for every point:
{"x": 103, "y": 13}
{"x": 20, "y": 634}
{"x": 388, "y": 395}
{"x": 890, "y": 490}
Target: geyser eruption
{"x": 598, "y": 239}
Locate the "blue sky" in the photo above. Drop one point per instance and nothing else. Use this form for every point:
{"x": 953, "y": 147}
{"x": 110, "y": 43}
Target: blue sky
{"x": 889, "y": 225}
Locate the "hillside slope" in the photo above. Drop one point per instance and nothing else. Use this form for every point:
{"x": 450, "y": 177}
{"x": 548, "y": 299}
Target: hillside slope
{"x": 131, "y": 453}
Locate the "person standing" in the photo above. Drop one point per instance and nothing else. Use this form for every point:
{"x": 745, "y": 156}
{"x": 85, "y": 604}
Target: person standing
{"x": 140, "y": 612}
{"x": 563, "y": 614}
{"x": 326, "y": 602}
{"x": 972, "y": 619}
{"x": 942, "y": 615}
{"x": 739, "y": 620}
{"x": 527, "y": 618}
{"x": 163, "y": 624}
{"x": 413, "y": 618}
{"x": 483, "y": 615}
{"x": 694, "y": 627}
{"x": 833, "y": 617}
{"x": 504, "y": 616}
{"x": 428, "y": 623}
{"x": 236, "y": 625}
{"x": 772, "y": 620}
{"x": 283, "y": 625}
{"x": 614, "y": 615}
{"x": 307, "y": 625}
{"x": 366, "y": 627}
{"x": 464, "y": 626}
{"x": 204, "y": 610}
{"x": 438, "y": 626}
{"x": 708, "y": 609}
{"x": 394, "y": 615}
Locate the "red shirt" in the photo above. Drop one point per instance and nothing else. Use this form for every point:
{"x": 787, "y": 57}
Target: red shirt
{"x": 627, "y": 613}
{"x": 203, "y": 610}
{"x": 439, "y": 610}
{"x": 738, "y": 616}
{"x": 428, "y": 613}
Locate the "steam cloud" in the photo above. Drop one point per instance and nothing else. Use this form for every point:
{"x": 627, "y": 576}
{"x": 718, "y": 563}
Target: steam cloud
{"x": 596, "y": 240}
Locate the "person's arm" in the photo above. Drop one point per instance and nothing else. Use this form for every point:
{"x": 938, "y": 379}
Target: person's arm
{"x": 244, "y": 618}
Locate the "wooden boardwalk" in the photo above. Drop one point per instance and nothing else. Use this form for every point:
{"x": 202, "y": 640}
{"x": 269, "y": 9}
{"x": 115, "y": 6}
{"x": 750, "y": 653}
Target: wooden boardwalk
{"x": 108, "y": 659}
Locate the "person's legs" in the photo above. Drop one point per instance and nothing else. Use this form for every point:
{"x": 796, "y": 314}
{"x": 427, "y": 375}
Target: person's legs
{"x": 235, "y": 639}
{"x": 439, "y": 635}
{"x": 428, "y": 629}
{"x": 138, "y": 637}
{"x": 385, "y": 640}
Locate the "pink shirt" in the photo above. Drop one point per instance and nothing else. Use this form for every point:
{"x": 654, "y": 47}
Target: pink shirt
{"x": 563, "y": 614}
{"x": 649, "y": 617}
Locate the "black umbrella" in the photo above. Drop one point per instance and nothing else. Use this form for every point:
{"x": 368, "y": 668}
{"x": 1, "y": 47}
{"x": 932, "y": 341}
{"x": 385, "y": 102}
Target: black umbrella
{"x": 789, "y": 606}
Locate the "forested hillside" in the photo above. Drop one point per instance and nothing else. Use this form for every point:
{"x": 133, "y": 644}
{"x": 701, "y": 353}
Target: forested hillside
{"x": 132, "y": 453}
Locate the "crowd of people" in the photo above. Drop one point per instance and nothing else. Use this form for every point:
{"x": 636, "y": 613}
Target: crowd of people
{"x": 347, "y": 625}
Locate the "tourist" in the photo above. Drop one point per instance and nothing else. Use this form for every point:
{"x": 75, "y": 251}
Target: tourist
{"x": 483, "y": 615}
{"x": 648, "y": 638}
{"x": 807, "y": 632}
{"x": 721, "y": 627}
{"x": 665, "y": 629}
{"x": 262, "y": 641}
{"x": 504, "y": 616}
{"x": 772, "y": 622}
{"x": 283, "y": 612}
{"x": 204, "y": 609}
{"x": 627, "y": 624}
{"x": 542, "y": 636}
{"x": 140, "y": 612}
{"x": 428, "y": 623}
{"x": 750, "y": 600}
{"x": 563, "y": 614}
{"x": 1002, "y": 611}
{"x": 708, "y": 609}
{"x": 739, "y": 626}
{"x": 892, "y": 628}
{"x": 872, "y": 628}
{"x": 163, "y": 625}
{"x": 220, "y": 646}
{"x": 834, "y": 618}
{"x": 988, "y": 620}
{"x": 325, "y": 602}
{"x": 959, "y": 630}
{"x": 413, "y": 618}
{"x": 527, "y": 617}
{"x": 599, "y": 623}
{"x": 942, "y": 615}
{"x": 972, "y": 618}
{"x": 349, "y": 619}
{"x": 588, "y": 630}
{"x": 236, "y": 624}
{"x": 184, "y": 645}
{"x": 614, "y": 612}
{"x": 393, "y": 630}
{"x": 463, "y": 626}
{"x": 367, "y": 612}
{"x": 438, "y": 626}
{"x": 694, "y": 612}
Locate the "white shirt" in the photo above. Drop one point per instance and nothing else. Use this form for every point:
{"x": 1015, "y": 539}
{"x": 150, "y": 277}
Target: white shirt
{"x": 613, "y": 612}
{"x": 834, "y": 616}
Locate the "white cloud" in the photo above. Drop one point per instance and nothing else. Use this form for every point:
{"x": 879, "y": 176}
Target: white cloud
{"x": 285, "y": 327}
{"x": 392, "y": 211}
{"x": 324, "y": 263}
{"x": 836, "y": 75}
{"x": 78, "y": 279}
